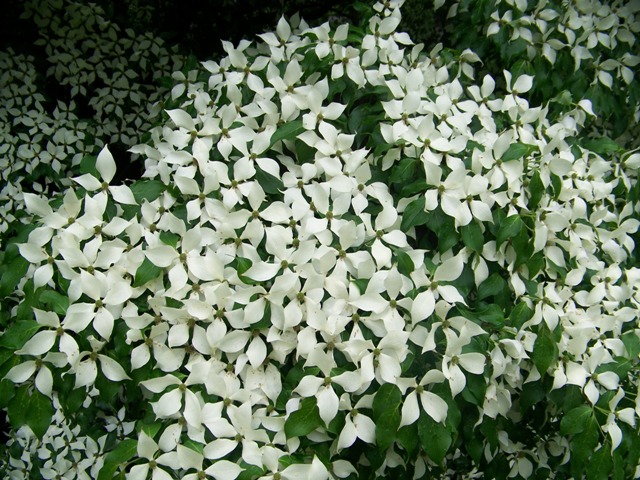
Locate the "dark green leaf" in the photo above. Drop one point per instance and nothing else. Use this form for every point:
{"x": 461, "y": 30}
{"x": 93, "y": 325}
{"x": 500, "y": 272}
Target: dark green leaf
{"x": 386, "y": 414}
{"x": 493, "y": 285}
{"x": 404, "y": 171}
{"x": 303, "y": 421}
{"x": 545, "y": 349}
{"x": 288, "y": 131}
{"x": 517, "y": 151}
{"x": 414, "y": 214}
{"x": 147, "y": 190}
{"x": 119, "y": 456}
{"x": 405, "y": 264}
{"x": 532, "y": 393}
{"x": 169, "y": 238}
{"x": 268, "y": 182}
{"x": 576, "y": 420}
{"x": 536, "y": 190}
{"x": 40, "y": 412}
{"x": 600, "y": 464}
{"x": 582, "y": 446}
{"x": 509, "y": 228}
{"x": 55, "y": 301}
{"x": 631, "y": 343}
{"x": 472, "y": 236}
{"x": 556, "y": 183}
{"x": 18, "y": 408}
{"x": 435, "y": 438}
{"x": 250, "y": 472}
{"x": 18, "y": 334}
{"x": 146, "y": 272}
{"x": 11, "y": 276}
{"x": 408, "y": 438}
{"x": 602, "y": 146}
{"x": 7, "y": 392}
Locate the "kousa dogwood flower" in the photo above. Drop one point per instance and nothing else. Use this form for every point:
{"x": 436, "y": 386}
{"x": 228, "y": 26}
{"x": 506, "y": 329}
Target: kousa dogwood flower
{"x": 243, "y": 429}
{"x": 431, "y": 403}
{"x": 347, "y": 61}
{"x": 148, "y": 449}
{"x": 85, "y": 368}
{"x": 453, "y": 359}
{"x": 319, "y": 113}
{"x": 109, "y": 293}
{"x": 190, "y": 460}
{"x": 106, "y": 167}
{"x": 425, "y": 302}
{"x": 326, "y": 40}
{"x": 584, "y": 374}
{"x": 357, "y": 425}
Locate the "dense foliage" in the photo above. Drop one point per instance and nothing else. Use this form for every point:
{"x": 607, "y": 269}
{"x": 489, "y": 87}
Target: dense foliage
{"x": 348, "y": 255}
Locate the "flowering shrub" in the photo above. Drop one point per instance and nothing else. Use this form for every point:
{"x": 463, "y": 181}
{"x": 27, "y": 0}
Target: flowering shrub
{"x": 347, "y": 258}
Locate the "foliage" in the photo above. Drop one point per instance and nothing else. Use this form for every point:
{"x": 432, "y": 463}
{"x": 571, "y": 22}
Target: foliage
{"x": 346, "y": 258}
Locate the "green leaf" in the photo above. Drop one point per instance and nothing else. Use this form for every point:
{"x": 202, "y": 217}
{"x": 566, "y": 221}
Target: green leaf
{"x": 602, "y": 146}
{"x": 288, "y": 131}
{"x": 7, "y": 392}
{"x": 11, "y": 276}
{"x": 532, "y": 393}
{"x": 536, "y": 190}
{"x": 545, "y": 349}
{"x": 583, "y": 445}
{"x": 55, "y": 301}
{"x": 414, "y": 214}
{"x": 303, "y": 421}
{"x": 405, "y": 264}
{"x": 408, "y": 438}
{"x": 493, "y": 285}
{"x": 435, "y": 438}
{"x": 386, "y": 414}
{"x": 631, "y": 343}
{"x": 40, "y": 412}
{"x": 268, "y": 182}
{"x": 151, "y": 429}
{"x": 18, "y": 334}
{"x": 509, "y": 228}
{"x": 600, "y": 465}
{"x": 404, "y": 171}
{"x": 517, "y": 151}
{"x": 250, "y": 472}
{"x": 170, "y": 239}
{"x": 147, "y": 190}
{"x": 576, "y": 420}
{"x": 119, "y": 456}
{"x": 472, "y": 236}
{"x": 18, "y": 408}
{"x": 146, "y": 272}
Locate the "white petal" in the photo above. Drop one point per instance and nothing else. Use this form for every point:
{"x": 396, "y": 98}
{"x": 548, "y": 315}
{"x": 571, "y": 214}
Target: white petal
{"x": 88, "y": 182}
{"x": 423, "y": 306}
{"x": 182, "y": 119}
{"x": 189, "y": 458}
{"x": 256, "y": 352}
{"x": 169, "y": 403}
{"x": 449, "y": 270}
{"x": 105, "y": 165}
{"x": 410, "y": 409}
{"x": 234, "y": 341}
{"x": 112, "y": 369}
{"x": 22, "y": 372}
{"x": 224, "y": 470}
{"x": 44, "y": 381}
{"x": 472, "y": 362}
{"x": 162, "y": 255}
{"x": 85, "y": 373}
{"x": 119, "y": 292}
{"x": 457, "y": 380}
{"x": 327, "y": 404}
{"x": 123, "y": 194}
{"x": 609, "y": 380}
{"x": 365, "y": 427}
{"x": 348, "y": 434}
{"x": 39, "y": 344}
{"x": 435, "y": 406}
{"x": 262, "y": 271}
{"x": 37, "y": 205}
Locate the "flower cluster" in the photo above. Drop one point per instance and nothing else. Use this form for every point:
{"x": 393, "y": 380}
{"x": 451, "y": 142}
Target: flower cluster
{"x": 110, "y": 73}
{"x": 348, "y": 258}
